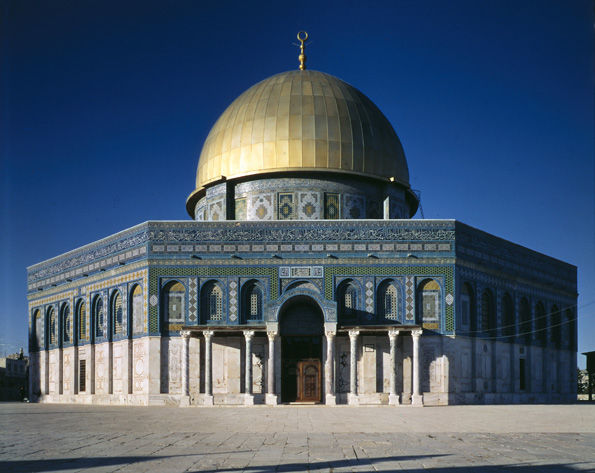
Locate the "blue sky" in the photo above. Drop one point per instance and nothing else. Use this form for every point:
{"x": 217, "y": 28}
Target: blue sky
{"x": 105, "y": 106}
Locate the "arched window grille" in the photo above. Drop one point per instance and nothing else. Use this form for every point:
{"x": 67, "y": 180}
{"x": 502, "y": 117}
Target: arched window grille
{"x": 82, "y": 320}
{"x": 99, "y": 316}
{"x": 388, "y": 300}
{"x": 136, "y": 309}
{"x": 252, "y": 302}
{"x": 117, "y": 313}
{"x": 174, "y": 295}
{"x": 347, "y": 300}
{"x": 53, "y": 321}
{"x": 212, "y": 302}
{"x": 66, "y": 324}
{"x": 429, "y": 306}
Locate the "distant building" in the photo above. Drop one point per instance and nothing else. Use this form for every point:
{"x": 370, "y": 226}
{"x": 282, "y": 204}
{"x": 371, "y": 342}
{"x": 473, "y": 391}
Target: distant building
{"x": 14, "y": 370}
{"x": 302, "y": 277}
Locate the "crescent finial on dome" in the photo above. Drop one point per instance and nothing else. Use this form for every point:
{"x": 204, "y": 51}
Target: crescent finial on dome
{"x": 302, "y": 36}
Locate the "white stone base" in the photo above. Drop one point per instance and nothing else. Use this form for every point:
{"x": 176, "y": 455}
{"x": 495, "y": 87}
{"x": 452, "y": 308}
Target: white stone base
{"x": 330, "y": 400}
{"x": 248, "y": 400}
{"x": 207, "y": 400}
{"x": 271, "y": 399}
{"x": 417, "y": 400}
{"x": 184, "y": 401}
{"x": 393, "y": 400}
{"x": 352, "y": 399}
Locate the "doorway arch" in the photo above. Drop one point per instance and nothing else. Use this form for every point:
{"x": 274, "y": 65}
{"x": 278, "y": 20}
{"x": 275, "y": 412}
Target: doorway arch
{"x": 301, "y": 326}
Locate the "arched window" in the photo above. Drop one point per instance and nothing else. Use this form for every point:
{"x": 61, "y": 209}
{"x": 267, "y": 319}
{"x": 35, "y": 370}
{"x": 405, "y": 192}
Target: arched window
{"x": 136, "y": 309}
{"x": 117, "y": 313}
{"x": 98, "y": 316}
{"x": 488, "y": 313}
{"x": 466, "y": 304}
{"x": 429, "y": 301}
{"x": 525, "y": 324}
{"x": 212, "y": 302}
{"x": 82, "y": 320}
{"x": 66, "y": 323}
{"x": 347, "y": 300}
{"x": 540, "y": 324}
{"x": 53, "y": 321}
{"x": 508, "y": 316}
{"x": 252, "y": 301}
{"x": 38, "y": 343}
{"x": 174, "y": 294}
{"x": 556, "y": 326}
{"x": 389, "y": 306}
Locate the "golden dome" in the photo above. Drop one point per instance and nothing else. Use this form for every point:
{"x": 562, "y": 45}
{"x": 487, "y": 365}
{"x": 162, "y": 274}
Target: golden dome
{"x": 301, "y": 121}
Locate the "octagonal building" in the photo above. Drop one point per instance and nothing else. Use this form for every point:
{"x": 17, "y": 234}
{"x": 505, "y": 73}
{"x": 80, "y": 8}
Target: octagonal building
{"x": 302, "y": 277}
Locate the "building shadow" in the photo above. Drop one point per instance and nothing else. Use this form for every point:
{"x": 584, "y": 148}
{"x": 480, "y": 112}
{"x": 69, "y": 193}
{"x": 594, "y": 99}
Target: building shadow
{"x": 375, "y": 464}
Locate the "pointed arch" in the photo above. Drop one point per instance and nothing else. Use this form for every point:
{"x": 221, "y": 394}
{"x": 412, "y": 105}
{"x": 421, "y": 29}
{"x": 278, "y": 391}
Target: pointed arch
{"x": 136, "y": 310}
{"x": 429, "y": 305}
{"x": 117, "y": 313}
{"x": 174, "y": 303}
{"x": 389, "y": 301}
{"x": 252, "y": 301}
{"x": 98, "y": 312}
{"x": 66, "y": 319}
{"x": 347, "y": 301}
{"x": 212, "y": 302}
{"x": 81, "y": 317}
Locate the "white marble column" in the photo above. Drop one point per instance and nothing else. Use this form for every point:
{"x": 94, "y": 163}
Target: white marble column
{"x": 208, "y": 397}
{"x": 352, "y": 397}
{"x": 271, "y": 397}
{"x": 416, "y": 396}
{"x": 249, "y": 398}
{"x": 329, "y": 397}
{"x": 393, "y": 397}
{"x": 184, "y": 401}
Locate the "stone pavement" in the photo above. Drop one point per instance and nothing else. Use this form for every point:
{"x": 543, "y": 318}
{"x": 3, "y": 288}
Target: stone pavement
{"x": 460, "y": 439}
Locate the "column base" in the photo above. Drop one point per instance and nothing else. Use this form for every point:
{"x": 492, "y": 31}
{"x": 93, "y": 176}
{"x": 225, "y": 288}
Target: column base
{"x": 393, "y": 400}
{"x": 330, "y": 400}
{"x": 271, "y": 399}
{"x": 417, "y": 400}
{"x": 184, "y": 401}
{"x": 352, "y": 399}
{"x": 208, "y": 400}
{"x": 248, "y": 400}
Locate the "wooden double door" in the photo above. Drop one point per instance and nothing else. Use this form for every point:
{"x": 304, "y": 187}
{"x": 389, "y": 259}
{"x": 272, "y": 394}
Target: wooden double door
{"x": 301, "y": 378}
{"x": 308, "y": 380}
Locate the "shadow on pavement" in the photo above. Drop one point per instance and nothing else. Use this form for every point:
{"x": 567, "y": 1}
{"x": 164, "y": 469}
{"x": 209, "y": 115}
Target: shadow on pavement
{"x": 65, "y": 464}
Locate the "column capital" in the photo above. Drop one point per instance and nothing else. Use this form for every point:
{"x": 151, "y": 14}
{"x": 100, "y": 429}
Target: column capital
{"x": 208, "y": 334}
{"x": 185, "y": 334}
{"x": 393, "y": 332}
{"x": 330, "y": 333}
{"x": 272, "y": 334}
{"x": 416, "y": 333}
{"x": 353, "y": 333}
{"x": 248, "y": 334}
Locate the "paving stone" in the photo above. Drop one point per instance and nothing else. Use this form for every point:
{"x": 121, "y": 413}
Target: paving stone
{"x": 460, "y": 439}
